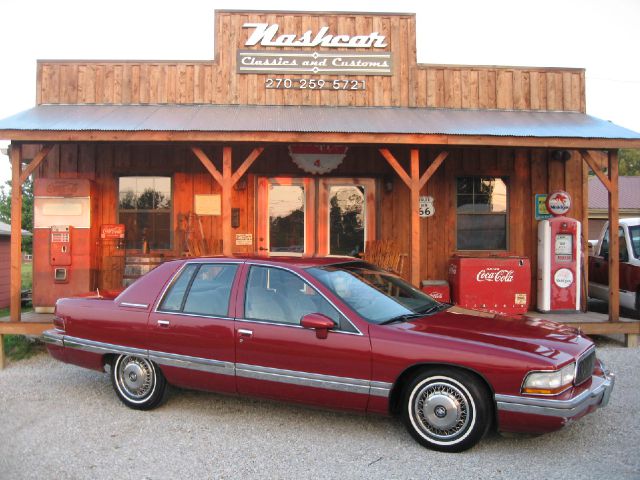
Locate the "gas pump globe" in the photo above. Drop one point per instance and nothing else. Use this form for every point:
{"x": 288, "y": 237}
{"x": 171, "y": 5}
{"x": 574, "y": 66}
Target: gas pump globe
{"x": 559, "y": 253}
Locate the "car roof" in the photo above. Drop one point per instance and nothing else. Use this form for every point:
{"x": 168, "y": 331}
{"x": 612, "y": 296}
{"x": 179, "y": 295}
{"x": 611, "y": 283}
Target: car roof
{"x": 294, "y": 261}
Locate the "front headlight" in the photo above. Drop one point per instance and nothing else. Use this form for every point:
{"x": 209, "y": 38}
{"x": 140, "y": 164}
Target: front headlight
{"x": 549, "y": 383}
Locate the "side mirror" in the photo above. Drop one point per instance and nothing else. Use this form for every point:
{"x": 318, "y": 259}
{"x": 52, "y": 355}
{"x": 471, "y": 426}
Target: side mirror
{"x": 318, "y": 322}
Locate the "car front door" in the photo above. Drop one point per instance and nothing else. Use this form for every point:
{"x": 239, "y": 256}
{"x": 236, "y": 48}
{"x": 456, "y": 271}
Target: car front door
{"x": 278, "y": 358}
{"x": 191, "y": 331}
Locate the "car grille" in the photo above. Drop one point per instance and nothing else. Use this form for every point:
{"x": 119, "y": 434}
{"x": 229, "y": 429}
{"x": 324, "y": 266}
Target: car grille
{"x": 585, "y": 367}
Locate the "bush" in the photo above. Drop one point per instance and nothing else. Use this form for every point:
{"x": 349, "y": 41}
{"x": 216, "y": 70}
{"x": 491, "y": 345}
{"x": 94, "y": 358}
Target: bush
{"x": 18, "y": 347}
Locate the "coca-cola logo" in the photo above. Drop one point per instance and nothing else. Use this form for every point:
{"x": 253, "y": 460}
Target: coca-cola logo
{"x": 494, "y": 274}
{"x": 435, "y": 294}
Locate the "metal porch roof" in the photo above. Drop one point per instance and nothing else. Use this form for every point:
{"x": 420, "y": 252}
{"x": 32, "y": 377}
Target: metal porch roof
{"x": 312, "y": 119}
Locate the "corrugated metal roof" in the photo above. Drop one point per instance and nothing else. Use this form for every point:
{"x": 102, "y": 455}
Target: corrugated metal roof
{"x": 313, "y": 119}
{"x": 5, "y": 230}
{"x": 628, "y": 193}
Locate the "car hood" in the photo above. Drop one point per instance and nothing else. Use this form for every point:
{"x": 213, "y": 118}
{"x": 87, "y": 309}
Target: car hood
{"x": 533, "y": 335}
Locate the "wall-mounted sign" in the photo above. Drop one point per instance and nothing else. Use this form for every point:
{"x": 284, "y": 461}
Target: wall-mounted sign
{"x": 559, "y": 203}
{"x": 244, "y": 239}
{"x": 317, "y": 158}
{"x": 330, "y": 63}
{"x": 426, "y": 207}
{"x": 541, "y": 207}
{"x": 112, "y": 231}
{"x": 207, "y": 204}
{"x": 267, "y": 36}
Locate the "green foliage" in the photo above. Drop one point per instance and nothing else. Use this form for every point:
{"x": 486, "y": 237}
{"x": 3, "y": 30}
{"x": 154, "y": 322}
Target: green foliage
{"x": 27, "y": 210}
{"x": 18, "y": 347}
{"x": 27, "y": 275}
{"x": 629, "y": 161}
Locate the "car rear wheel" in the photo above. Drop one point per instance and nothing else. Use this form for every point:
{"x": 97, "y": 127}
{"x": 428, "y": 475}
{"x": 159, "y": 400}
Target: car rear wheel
{"x": 446, "y": 409}
{"x": 137, "y": 381}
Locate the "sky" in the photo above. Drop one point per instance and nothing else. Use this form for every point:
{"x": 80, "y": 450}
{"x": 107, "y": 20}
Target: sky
{"x": 598, "y": 35}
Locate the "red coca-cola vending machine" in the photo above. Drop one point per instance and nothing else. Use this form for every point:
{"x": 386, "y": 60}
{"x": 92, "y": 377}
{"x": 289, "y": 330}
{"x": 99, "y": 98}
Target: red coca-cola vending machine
{"x": 64, "y": 262}
{"x": 492, "y": 284}
{"x": 559, "y": 254}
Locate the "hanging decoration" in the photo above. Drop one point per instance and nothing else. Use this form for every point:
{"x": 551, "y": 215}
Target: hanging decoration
{"x": 317, "y": 159}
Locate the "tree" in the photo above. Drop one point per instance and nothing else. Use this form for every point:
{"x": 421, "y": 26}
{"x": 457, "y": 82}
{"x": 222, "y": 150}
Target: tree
{"x": 27, "y": 210}
{"x": 629, "y": 162}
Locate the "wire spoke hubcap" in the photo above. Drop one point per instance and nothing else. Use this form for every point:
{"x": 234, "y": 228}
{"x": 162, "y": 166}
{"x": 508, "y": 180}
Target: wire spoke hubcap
{"x": 135, "y": 377}
{"x": 442, "y": 410}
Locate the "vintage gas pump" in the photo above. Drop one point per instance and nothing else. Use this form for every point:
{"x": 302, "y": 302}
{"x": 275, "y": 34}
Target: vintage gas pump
{"x": 559, "y": 255}
{"x": 64, "y": 263}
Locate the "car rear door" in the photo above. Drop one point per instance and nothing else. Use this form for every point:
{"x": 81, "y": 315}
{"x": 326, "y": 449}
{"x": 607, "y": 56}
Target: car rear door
{"x": 276, "y": 357}
{"x": 191, "y": 331}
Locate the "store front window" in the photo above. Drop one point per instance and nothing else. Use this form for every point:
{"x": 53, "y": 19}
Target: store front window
{"x": 481, "y": 213}
{"x": 144, "y": 207}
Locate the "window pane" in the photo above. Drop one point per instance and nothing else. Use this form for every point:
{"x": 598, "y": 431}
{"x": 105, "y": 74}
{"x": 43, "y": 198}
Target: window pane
{"x": 286, "y": 218}
{"x": 465, "y": 185}
{"x": 499, "y": 196}
{"x": 210, "y": 290}
{"x": 346, "y": 220}
{"x": 465, "y": 203}
{"x": 172, "y": 301}
{"x": 482, "y": 232}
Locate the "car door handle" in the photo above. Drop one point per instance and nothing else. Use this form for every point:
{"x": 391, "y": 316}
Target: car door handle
{"x": 245, "y": 333}
{"x": 163, "y": 323}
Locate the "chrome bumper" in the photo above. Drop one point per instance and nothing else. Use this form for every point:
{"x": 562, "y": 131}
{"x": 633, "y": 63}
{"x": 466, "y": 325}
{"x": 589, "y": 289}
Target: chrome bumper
{"x": 598, "y": 395}
{"x": 53, "y": 337}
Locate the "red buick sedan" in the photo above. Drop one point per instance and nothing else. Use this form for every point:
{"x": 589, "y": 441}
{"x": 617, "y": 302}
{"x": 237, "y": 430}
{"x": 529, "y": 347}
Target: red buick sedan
{"x": 334, "y": 332}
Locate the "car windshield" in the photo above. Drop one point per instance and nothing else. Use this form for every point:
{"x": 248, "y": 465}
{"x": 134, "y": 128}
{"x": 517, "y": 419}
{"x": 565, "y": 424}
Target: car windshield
{"x": 376, "y": 295}
{"x": 634, "y": 235}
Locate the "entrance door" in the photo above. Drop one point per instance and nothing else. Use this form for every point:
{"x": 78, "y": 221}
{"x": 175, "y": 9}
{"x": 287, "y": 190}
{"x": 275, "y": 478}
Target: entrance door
{"x": 306, "y": 216}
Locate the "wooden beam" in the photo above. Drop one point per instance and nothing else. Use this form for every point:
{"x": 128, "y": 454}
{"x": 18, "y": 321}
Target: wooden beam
{"x": 227, "y": 187}
{"x": 35, "y": 163}
{"x": 432, "y": 168}
{"x": 396, "y": 166}
{"x": 607, "y": 328}
{"x": 207, "y": 163}
{"x": 16, "y": 233}
{"x": 318, "y": 137}
{"x": 593, "y": 165}
{"x": 24, "y": 328}
{"x": 415, "y": 218}
{"x": 255, "y": 153}
{"x": 614, "y": 241}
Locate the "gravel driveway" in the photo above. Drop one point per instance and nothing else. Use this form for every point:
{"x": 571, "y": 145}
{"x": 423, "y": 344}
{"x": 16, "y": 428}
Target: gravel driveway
{"x": 60, "y": 421}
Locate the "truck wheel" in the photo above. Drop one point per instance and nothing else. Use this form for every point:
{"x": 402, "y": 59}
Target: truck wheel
{"x": 138, "y": 383}
{"x": 446, "y": 409}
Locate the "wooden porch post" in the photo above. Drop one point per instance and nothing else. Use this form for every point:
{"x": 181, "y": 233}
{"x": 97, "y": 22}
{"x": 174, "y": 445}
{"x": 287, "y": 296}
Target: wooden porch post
{"x": 16, "y": 232}
{"x": 227, "y": 249}
{"x": 614, "y": 243}
{"x": 227, "y": 180}
{"x": 415, "y": 182}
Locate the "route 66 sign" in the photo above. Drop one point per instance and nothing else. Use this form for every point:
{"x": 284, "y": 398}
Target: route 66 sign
{"x": 426, "y": 207}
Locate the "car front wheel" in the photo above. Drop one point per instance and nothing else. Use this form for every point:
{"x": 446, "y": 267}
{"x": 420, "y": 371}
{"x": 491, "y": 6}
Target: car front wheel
{"x": 137, "y": 381}
{"x": 446, "y": 409}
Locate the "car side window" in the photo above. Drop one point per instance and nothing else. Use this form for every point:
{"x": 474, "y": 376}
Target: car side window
{"x": 172, "y": 301}
{"x": 207, "y": 291}
{"x": 279, "y": 296}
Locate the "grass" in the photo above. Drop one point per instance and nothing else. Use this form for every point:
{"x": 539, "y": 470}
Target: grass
{"x": 27, "y": 275}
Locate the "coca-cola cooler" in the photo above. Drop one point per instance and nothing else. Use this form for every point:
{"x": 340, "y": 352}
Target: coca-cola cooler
{"x": 492, "y": 284}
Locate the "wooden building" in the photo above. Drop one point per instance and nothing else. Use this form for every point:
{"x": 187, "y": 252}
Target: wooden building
{"x": 310, "y": 133}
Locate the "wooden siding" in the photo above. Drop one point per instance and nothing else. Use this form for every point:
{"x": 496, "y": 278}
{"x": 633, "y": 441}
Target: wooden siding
{"x": 528, "y": 171}
{"x": 216, "y": 81}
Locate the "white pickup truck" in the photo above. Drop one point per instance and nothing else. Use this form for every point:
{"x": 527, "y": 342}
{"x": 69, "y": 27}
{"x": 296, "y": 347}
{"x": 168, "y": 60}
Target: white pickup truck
{"x": 629, "y": 235}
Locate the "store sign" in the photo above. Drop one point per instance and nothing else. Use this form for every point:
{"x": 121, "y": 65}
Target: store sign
{"x": 330, "y": 63}
{"x": 541, "y": 207}
{"x": 112, "y": 231}
{"x": 426, "y": 208}
{"x": 559, "y": 203}
{"x": 244, "y": 239}
{"x": 267, "y": 36}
